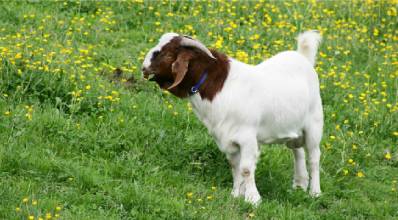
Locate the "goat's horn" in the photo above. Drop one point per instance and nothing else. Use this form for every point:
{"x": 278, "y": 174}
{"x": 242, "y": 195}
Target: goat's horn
{"x": 186, "y": 41}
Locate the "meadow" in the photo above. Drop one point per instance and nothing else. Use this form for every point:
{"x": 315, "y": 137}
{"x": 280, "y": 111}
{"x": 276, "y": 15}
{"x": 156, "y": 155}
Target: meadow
{"x": 83, "y": 136}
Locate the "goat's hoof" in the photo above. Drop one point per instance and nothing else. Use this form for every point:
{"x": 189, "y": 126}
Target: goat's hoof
{"x": 315, "y": 193}
{"x": 253, "y": 197}
{"x": 235, "y": 193}
{"x": 300, "y": 183}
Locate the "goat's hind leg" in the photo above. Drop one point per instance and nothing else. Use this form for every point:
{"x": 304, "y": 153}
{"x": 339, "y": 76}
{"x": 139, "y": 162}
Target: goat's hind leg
{"x": 313, "y": 135}
{"x": 300, "y": 178}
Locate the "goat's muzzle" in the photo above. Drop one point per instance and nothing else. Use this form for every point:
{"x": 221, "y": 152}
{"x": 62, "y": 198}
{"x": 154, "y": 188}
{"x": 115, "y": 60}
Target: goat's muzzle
{"x": 148, "y": 74}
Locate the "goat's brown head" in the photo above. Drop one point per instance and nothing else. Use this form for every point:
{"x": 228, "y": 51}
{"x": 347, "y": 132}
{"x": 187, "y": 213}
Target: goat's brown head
{"x": 176, "y": 63}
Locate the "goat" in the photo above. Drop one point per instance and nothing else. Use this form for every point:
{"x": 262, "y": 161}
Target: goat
{"x": 242, "y": 106}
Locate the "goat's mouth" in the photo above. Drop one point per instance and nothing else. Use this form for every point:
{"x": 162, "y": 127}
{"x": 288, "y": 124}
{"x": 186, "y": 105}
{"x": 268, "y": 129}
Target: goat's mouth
{"x": 150, "y": 76}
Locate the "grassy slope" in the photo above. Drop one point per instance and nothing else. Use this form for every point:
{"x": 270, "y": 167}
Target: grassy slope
{"x": 70, "y": 138}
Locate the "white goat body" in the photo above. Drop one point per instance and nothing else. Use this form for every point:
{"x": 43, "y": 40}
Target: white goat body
{"x": 274, "y": 99}
{"x": 274, "y": 102}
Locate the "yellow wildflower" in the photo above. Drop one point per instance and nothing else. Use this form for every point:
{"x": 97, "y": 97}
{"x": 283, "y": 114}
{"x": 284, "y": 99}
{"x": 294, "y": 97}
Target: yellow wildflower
{"x": 387, "y": 156}
{"x": 18, "y": 56}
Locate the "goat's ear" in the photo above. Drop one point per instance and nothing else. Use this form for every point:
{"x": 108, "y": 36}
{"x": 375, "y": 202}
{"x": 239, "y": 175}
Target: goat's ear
{"x": 180, "y": 67}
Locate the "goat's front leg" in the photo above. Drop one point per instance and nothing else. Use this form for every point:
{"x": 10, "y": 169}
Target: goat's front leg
{"x": 249, "y": 153}
{"x": 238, "y": 186}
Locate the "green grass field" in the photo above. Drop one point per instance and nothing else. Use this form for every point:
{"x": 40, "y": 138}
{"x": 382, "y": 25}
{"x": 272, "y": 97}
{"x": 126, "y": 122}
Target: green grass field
{"x": 74, "y": 145}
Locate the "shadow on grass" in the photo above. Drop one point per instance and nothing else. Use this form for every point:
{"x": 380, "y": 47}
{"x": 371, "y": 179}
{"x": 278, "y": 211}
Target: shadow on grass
{"x": 273, "y": 175}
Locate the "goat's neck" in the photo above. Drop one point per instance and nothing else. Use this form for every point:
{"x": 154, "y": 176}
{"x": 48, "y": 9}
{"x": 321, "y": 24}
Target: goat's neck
{"x": 217, "y": 74}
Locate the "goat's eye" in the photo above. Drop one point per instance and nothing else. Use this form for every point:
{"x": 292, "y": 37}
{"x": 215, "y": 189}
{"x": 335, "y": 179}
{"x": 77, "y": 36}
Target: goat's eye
{"x": 155, "y": 54}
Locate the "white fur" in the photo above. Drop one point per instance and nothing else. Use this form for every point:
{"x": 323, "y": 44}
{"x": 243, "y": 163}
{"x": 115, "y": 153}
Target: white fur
{"x": 308, "y": 43}
{"x": 277, "y": 101}
{"x": 165, "y": 39}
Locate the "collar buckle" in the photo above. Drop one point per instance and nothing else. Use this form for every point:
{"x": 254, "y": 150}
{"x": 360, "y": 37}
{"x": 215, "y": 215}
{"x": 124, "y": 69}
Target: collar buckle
{"x": 202, "y": 79}
{"x": 194, "y": 90}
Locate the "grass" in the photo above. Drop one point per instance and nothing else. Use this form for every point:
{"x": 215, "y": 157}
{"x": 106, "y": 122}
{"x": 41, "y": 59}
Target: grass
{"x": 76, "y": 146}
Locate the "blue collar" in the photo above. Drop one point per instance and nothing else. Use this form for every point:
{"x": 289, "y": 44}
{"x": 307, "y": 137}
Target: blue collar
{"x": 196, "y": 87}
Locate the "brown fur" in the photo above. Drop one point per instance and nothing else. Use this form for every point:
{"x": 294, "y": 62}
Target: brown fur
{"x": 197, "y": 62}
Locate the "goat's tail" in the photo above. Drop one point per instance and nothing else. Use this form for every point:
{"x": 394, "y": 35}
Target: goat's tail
{"x": 308, "y": 43}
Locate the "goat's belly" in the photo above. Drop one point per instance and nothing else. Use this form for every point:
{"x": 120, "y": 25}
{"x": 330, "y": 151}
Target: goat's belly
{"x": 279, "y": 138}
